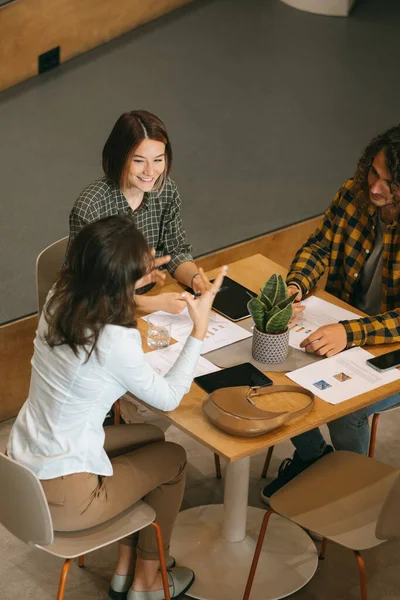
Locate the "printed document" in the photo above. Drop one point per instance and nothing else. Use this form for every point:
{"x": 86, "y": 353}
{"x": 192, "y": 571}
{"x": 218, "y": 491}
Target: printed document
{"x": 221, "y": 332}
{"x": 163, "y": 359}
{"x": 342, "y": 376}
{"x": 317, "y": 313}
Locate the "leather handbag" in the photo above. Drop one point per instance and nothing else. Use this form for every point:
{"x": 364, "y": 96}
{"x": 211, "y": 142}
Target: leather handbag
{"x": 233, "y": 410}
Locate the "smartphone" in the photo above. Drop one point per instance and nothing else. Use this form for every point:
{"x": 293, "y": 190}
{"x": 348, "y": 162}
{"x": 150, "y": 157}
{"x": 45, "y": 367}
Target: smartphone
{"x": 243, "y": 374}
{"x": 384, "y": 362}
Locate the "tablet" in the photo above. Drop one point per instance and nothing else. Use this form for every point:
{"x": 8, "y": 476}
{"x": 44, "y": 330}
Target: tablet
{"x": 231, "y": 300}
{"x": 243, "y": 374}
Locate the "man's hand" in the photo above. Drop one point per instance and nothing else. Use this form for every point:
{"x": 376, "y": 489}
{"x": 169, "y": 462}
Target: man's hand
{"x": 201, "y": 283}
{"x": 155, "y": 276}
{"x": 327, "y": 340}
{"x": 297, "y": 307}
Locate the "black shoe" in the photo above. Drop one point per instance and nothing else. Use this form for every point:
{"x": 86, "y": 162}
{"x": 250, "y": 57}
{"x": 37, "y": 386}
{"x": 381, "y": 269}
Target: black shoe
{"x": 109, "y": 419}
{"x": 289, "y": 469}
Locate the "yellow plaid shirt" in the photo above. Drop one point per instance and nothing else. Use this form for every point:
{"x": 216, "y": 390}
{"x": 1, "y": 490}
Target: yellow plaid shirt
{"x": 342, "y": 243}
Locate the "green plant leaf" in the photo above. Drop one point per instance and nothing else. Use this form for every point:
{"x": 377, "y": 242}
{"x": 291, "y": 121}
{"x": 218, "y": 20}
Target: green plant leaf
{"x": 258, "y": 311}
{"x": 265, "y": 300}
{"x": 269, "y": 289}
{"x": 287, "y": 301}
{"x": 279, "y": 321}
{"x": 281, "y": 290}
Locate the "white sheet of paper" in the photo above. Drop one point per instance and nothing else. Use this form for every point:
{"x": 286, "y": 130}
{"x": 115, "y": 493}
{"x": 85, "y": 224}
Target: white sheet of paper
{"x": 163, "y": 359}
{"x": 221, "y": 332}
{"x": 318, "y": 312}
{"x": 342, "y": 376}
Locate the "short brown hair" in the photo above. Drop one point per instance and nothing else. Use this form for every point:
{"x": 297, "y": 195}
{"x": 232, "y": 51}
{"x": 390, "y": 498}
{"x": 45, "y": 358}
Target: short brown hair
{"x": 105, "y": 261}
{"x": 127, "y": 134}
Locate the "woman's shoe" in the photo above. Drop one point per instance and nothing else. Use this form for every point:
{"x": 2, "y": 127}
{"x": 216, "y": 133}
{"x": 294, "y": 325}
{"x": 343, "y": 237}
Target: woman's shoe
{"x": 122, "y": 583}
{"x": 180, "y": 579}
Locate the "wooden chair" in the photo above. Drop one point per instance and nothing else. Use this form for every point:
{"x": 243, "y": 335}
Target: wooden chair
{"x": 372, "y": 441}
{"x": 346, "y": 497}
{"x": 25, "y": 513}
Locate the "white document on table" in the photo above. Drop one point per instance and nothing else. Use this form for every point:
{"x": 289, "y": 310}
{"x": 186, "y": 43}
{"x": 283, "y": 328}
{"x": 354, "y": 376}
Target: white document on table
{"x": 317, "y": 313}
{"x": 221, "y": 332}
{"x": 162, "y": 360}
{"x": 342, "y": 376}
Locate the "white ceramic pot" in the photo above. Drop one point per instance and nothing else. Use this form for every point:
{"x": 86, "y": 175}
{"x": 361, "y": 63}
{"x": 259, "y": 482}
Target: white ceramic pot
{"x": 270, "y": 348}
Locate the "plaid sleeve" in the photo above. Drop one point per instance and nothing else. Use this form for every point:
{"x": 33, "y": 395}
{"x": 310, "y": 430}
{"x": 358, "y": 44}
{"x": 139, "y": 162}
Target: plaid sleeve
{"x": 80, "y": 215}
{"x": 175, "y": 237}
{"x": 312, "y": 259}
{"x": 379, "y": 329}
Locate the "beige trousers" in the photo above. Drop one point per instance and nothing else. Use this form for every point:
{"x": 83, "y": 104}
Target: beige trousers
{"x": 145, "y": 467}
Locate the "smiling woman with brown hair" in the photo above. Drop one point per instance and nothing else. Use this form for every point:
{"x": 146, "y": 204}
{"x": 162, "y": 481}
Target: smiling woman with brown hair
{"x": 87, "y": 353}
{"x": 137, "y": 159}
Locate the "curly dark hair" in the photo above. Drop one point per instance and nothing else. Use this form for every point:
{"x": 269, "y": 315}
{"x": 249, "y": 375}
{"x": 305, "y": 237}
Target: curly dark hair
{"x": 106, "y": 259}
{"x": 389, "y": 142}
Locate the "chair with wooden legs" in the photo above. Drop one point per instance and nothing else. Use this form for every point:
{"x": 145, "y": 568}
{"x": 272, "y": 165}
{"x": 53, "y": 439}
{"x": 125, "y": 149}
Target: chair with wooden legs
{"x": 372, "y": 441}
{"x": 347, "y": 498}
{"x": 25, "y": 513}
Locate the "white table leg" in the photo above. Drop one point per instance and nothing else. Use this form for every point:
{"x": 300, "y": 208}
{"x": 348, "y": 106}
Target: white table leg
{"x": 236, "y": 496}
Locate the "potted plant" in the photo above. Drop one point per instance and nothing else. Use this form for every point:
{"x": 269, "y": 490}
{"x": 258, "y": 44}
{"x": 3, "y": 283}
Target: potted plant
{"x": 271, "y": 311}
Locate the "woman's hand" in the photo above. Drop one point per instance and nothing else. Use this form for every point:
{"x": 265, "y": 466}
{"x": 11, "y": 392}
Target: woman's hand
{"x": 155, "y": 276}
{"x": 173, "y": 302}
{"x": 201, "y": 283}
{"x": 199, "y": 308}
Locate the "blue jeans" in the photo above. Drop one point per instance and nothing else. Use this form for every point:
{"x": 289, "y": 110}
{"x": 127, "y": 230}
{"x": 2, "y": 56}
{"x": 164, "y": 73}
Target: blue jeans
{"x": 347, "y": 433}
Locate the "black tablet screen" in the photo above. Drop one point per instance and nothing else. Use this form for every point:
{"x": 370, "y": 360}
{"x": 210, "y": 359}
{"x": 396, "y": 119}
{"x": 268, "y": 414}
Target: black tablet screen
{"x": 244, "y": 374}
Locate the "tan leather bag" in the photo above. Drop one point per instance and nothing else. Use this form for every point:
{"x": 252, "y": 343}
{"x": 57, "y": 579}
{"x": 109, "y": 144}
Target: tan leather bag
{"x": 233, "y": 410}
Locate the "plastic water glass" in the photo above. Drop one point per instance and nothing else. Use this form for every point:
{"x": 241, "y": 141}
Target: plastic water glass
{"x": 158, "y": 331}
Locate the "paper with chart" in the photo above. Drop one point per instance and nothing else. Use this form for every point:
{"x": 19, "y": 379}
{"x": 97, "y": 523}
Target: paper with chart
{"x": 342, "y": 376}
{"x": 163, "y": 359}
{"x": 318, "y": 312}
{"x": 221, "y": 332}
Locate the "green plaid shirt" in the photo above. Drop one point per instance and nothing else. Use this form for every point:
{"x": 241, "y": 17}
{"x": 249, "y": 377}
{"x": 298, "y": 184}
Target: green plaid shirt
{"x": 342, "y": 243}
{"x": 158, "y": 217}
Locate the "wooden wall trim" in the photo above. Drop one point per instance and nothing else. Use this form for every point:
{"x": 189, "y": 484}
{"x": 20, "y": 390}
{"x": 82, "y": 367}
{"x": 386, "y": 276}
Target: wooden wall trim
{"x": 29, "y": 28}
{"x": 16, "y": 347}
{"x": 16, "y": 337}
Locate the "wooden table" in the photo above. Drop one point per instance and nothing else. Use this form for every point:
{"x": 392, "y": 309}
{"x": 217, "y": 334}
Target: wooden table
{"x": 218, "y": 542}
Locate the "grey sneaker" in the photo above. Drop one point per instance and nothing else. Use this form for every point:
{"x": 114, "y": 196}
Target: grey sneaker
{"x": 180, "y": 579}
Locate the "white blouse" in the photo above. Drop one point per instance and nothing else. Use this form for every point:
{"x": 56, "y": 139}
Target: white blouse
{"x": 59, "y": 429}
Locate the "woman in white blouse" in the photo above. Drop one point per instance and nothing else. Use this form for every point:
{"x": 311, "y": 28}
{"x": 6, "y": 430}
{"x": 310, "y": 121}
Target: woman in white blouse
{"x": 87, "y": 353}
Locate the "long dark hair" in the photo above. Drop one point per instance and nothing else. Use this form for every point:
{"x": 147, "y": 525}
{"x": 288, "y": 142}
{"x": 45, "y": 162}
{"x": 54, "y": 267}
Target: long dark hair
{"x": 106, "y": 259}
{"x": 389, "y": 142}
{"x": 128, "y": 132}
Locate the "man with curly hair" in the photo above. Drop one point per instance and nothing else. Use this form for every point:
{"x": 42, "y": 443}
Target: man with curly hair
{"x": 358, "y": 243}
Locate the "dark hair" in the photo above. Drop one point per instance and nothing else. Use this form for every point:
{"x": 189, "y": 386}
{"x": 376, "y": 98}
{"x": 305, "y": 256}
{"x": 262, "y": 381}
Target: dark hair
{"x": 389, "y": 142}
{"x": 105, "y": 261}
{"x": 128, "y": 132}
